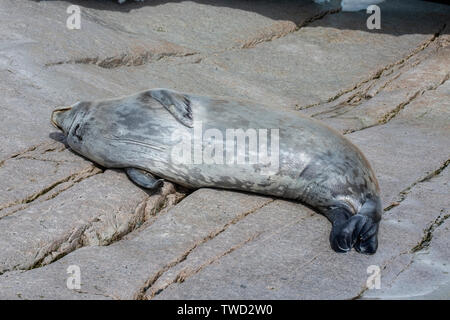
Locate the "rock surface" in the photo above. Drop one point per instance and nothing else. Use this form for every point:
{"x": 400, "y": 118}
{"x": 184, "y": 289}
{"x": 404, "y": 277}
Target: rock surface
{"x": 387, "y": 90}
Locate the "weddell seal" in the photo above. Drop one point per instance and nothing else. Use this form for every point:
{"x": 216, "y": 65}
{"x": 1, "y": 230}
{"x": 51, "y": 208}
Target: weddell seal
{"x": 200, "y": 141}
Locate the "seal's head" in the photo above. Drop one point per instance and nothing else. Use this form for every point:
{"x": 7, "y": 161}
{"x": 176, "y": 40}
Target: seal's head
{"x": 69, "y": 120}
{"x": 80, "y": 130}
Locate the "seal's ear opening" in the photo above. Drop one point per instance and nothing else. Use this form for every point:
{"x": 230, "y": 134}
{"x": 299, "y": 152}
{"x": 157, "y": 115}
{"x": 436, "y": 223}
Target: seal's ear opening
{"x": 58, "y": 117}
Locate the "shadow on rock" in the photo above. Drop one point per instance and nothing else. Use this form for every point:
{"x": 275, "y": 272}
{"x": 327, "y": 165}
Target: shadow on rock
{"x": 398, "y": 16}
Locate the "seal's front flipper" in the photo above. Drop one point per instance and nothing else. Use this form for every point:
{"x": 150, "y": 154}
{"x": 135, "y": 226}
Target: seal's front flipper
{"x": 176, "y": 103}
{"x": 143, "y": 178}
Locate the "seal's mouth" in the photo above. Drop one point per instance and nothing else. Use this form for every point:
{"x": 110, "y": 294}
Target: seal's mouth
{"x": 54, "y": 118}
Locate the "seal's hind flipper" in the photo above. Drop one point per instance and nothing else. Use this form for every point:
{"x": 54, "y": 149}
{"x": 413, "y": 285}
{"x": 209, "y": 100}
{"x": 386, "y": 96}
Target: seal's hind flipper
{"x": 355, "y": 230}
{"x": 143, "y": 178}
{"x": 176, "y": 103}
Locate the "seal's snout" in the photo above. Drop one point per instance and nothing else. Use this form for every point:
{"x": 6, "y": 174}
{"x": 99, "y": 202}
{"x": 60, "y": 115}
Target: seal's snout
{"x": 59, "y": 118}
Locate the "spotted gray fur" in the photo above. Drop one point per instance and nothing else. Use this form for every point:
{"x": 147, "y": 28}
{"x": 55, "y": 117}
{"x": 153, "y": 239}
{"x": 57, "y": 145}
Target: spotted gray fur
{"x": 317, "y": 165}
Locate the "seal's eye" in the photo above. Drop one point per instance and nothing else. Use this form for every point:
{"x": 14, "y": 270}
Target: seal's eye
{"x": 76, "y": 132}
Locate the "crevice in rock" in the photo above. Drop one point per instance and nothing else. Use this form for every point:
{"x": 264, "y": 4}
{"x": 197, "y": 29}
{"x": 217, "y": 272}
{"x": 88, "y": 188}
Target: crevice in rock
{"x": 423, "y": 244}
{"x": 124, "y": 59}
{"x": 79, "y": 236}
{"x": 57, "y": 162}
{"x": 70, "y": 179}
{"x": 155, "y": 211}
{"x": 284, "y": 28}
{"x": 403, "y": 194}
{"x": 361, "y": 91}
{"x": 59, "y": 248}
{"x": 394, "y": 112}
{"x": 140, "y": 294}
{"x": 186, "y": 273}
{"x": 15, "y": 155}
{"x": 153, "y": 207}
{"x": 23, "y": 154}
{"x": 365, "y": 288}
{"x": 428, "y": 233}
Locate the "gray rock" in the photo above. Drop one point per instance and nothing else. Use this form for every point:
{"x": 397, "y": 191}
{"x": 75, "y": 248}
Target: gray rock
{"x": 387, "y": 89}
{"x": 421, "y": 273}
{"x": 126, "y": 268}
{"x": 96, "y": 211}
